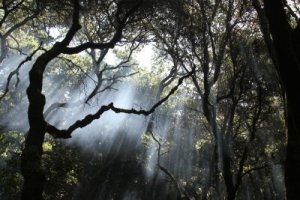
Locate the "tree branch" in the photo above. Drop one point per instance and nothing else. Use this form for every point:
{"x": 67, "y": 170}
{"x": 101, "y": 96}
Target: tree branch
{"x": 116, "y": 38}
{"x": 16, "y": 72}
{"x": 90, "y": 118}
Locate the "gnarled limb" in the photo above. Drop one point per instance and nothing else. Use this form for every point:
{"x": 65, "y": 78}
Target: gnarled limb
{"x": 90, "y": 118}
{"x": 31, "y": 167}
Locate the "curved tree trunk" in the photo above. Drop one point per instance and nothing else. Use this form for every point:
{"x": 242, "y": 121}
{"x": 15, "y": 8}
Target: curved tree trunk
{"x": 31, "y": 164}
{"x": 32, "y": 153}
{"x": 31, "y": 161}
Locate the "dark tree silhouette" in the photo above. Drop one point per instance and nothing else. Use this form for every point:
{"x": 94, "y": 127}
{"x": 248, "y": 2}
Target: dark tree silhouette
{"x": 284, "y": 49}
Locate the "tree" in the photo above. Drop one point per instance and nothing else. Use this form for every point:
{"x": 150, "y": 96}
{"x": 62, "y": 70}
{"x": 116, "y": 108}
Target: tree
{"x": 225, "y": 76}
{"x": 285, "y": 46}
{"x": 31, "y": 156}
{"x": 15, "y": 14}
{"x": 220, "y": 136}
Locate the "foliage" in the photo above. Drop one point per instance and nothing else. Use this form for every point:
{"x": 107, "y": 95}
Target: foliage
{"x": 216, "y": 130}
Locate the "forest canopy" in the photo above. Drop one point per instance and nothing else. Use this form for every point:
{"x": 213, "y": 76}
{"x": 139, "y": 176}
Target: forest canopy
{"x": 149, "y": 99}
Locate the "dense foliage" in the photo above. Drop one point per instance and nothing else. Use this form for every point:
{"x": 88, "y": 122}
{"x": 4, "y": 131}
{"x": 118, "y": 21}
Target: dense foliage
{"x": 83, "y": 117}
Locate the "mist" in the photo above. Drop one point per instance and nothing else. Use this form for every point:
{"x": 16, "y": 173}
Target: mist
{"x": 123, "y": 158}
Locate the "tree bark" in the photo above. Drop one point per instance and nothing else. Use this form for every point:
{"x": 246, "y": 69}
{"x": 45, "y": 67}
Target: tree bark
{"x": 286, "y": 47}
{"x": 31, "y": 160}
{"x": 3, "y": 48}
{"x": 32, "y": 153}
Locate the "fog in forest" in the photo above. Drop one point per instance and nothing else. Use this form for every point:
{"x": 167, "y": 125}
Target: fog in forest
{"x": 184, "y": 147}
{"x": 152, "y": 100}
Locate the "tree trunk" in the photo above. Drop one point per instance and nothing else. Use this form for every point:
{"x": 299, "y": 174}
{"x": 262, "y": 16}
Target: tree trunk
{"x": 31, "y": 162}
{"x": 32, "y": 153}
{"x": 228, "y": 177}
{"x": 292, "y": 163}
{"x": 3, "y": 48}
{"x": 286, "y": 47}
{"x": 31, "y": 166}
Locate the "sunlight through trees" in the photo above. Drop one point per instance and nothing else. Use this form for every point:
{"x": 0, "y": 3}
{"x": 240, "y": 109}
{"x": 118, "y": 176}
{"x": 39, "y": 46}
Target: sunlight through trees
{"x": 149, "y": 99}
